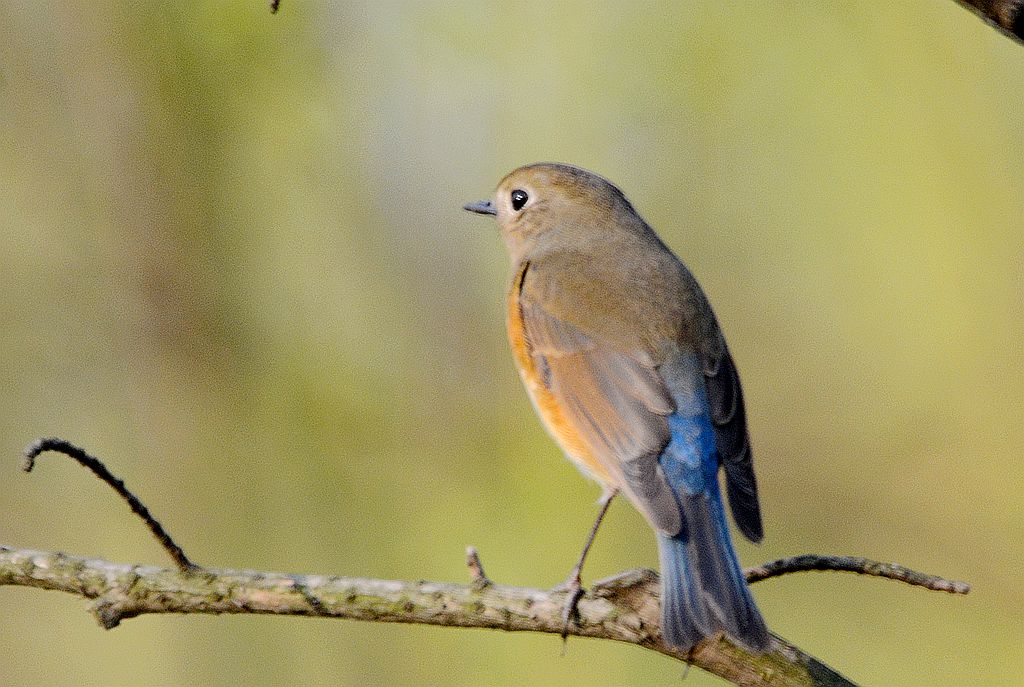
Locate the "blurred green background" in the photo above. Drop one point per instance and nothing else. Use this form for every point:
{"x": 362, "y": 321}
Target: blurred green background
{"x": 233, "y": 264}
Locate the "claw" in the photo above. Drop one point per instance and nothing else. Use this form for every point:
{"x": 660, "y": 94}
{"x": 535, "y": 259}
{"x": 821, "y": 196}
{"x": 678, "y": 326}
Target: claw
{"x": 574, "y": 590}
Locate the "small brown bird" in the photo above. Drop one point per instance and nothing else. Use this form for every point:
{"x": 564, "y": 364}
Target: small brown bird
{"x": 627, "y": 367}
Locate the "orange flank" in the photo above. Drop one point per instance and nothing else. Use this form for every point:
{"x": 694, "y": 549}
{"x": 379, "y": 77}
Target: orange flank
{"x": 547, "y": 406}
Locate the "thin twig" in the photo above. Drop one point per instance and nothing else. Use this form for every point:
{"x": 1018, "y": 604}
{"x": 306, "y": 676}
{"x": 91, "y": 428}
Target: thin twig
{"x": 101, "y": 471}
{"x": 854, "y": 564}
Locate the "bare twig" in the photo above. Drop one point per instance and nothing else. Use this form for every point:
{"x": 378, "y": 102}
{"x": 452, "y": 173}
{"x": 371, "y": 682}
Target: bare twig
{"x": 101, "y": 471}
{"x": 855, "y": 564}
{"x": 1006, "y": 16}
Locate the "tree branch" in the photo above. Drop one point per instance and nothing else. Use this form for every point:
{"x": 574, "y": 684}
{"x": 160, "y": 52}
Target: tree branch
{"x": 624, "y": 608}
{"x": 1006, "y": 16}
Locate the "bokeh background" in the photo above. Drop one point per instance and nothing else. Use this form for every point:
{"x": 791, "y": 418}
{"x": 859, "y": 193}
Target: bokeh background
{"x": 233, "y": 264}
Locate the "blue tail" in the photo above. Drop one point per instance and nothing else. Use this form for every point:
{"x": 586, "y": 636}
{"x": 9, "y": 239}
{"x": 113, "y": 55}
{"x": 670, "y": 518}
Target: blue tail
{"x": 703, "y": 588}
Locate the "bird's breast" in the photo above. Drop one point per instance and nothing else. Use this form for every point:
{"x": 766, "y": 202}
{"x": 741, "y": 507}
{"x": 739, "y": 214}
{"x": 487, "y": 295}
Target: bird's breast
{"x": 534, "y": 376}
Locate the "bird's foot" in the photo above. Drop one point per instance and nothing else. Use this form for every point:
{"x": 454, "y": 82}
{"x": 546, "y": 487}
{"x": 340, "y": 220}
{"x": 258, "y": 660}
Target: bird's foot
{"x": 573, "y": 587}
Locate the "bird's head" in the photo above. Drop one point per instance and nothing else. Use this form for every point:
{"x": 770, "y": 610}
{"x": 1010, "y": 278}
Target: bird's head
{"x": 549, "y": 205}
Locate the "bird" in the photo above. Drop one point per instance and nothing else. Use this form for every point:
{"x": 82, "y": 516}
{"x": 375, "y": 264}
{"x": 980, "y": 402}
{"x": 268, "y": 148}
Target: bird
{"x": 625, "y": 362}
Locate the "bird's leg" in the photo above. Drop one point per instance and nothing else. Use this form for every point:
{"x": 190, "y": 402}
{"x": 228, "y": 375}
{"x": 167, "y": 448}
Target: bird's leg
{"x": 573, "y": 584}
{"x": 573, "y": 580}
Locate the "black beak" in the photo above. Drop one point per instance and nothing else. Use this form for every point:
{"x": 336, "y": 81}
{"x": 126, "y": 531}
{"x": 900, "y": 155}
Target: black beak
{"x": 481, "y": 207}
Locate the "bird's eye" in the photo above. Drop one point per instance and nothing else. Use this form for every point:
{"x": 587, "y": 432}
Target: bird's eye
{"x": 519, "y": 198}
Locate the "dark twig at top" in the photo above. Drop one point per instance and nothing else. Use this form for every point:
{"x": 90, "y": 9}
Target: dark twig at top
{"x": 1006, "y": 16}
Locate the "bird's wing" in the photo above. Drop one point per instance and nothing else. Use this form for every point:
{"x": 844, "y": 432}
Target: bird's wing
{"x": 729, "y": 419}
{"x": 615, "y": 403}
